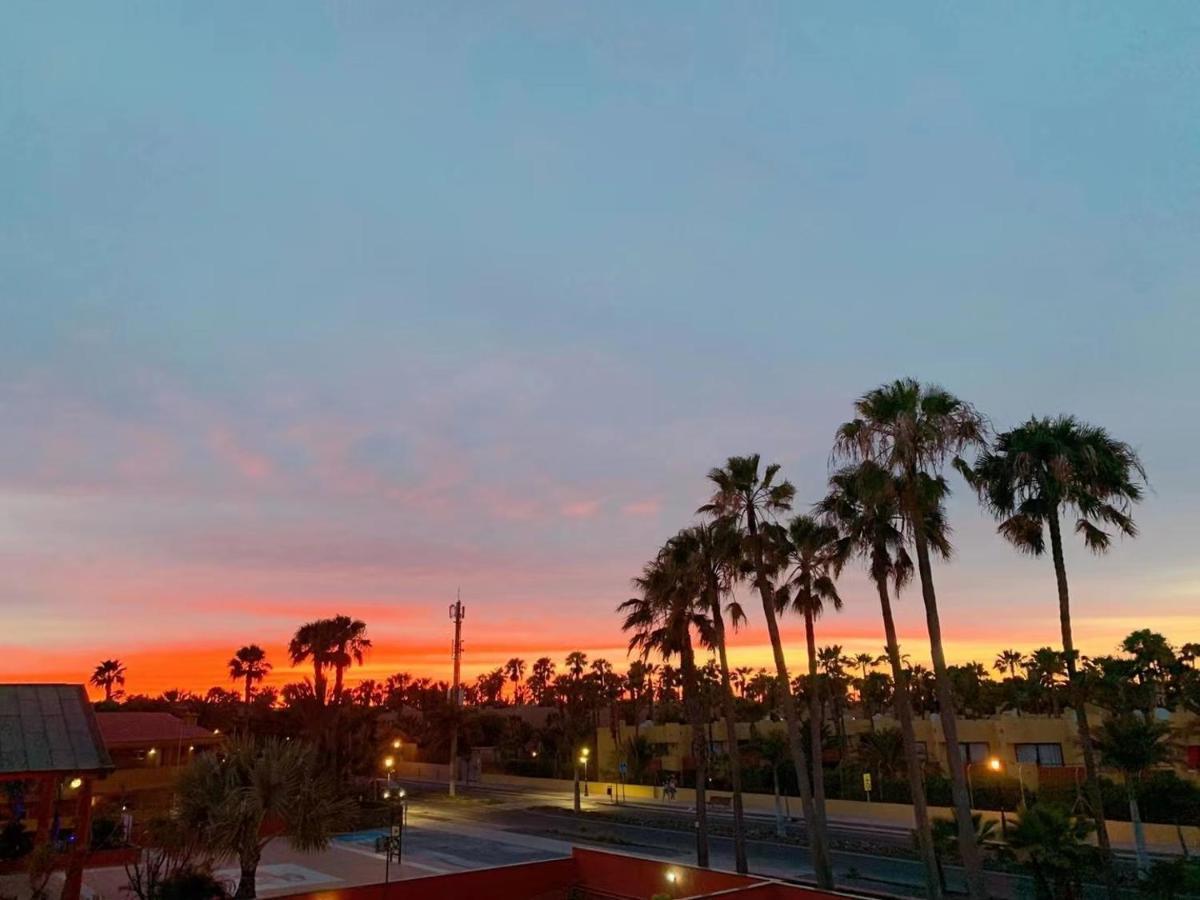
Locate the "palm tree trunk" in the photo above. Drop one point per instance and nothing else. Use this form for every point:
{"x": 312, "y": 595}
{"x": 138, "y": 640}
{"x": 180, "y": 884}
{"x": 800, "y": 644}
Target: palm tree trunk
{"x": 968, "y": 848}
{"x": 248, "y": 859}
{"x": 247, "y": 690}
{"x": 815, "y": 718}
{"x": 1135, "y": 820}
{"x": 1079, "y": 702}
{"x": 780, "y": 827}
{"x": 818, "y": 838}
{"x": 691, "y": 701}
{"x": 916, "y": 779}
{"x": 731, "y": 741}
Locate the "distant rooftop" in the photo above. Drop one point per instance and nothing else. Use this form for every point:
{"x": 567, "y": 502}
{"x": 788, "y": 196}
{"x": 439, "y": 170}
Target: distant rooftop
{"x": 148, "y": 728}
{"x": 49, "y": 728}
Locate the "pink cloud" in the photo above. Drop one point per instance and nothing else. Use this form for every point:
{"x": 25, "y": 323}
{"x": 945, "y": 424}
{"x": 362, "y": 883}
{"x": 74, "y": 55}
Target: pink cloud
{"x": 648, "y": 507}
{"x": 580, "y": 509}
{"x": 251, "y": 465}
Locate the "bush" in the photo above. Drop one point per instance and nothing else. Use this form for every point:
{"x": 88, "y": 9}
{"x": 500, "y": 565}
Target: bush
{"x": 190, "y": 884}
{"x": 1169, "y": 879}
{"x": 106, "y": 834}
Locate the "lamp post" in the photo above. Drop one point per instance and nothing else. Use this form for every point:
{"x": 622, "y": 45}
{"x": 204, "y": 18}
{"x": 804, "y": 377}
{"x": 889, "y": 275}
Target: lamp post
{"x": 395, "y": 836}
{"x": 389, "y": 763}
{"x": 582, "y": 761}
{"x": 995, "y": 765}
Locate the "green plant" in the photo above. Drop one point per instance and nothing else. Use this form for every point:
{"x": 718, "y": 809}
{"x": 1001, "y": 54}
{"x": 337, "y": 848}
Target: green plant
{"x": 1050, "y": 842}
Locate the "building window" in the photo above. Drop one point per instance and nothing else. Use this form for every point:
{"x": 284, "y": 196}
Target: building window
{"x": 974, "y": 751}
{"x": 1040, "y": 754}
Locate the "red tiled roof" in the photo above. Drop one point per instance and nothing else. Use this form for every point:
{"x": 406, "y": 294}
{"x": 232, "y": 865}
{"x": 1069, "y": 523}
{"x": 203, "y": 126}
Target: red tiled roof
{"x": 148, "y": 728}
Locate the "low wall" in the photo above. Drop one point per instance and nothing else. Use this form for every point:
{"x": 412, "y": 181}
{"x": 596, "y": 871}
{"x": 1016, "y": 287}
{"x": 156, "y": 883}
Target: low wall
{"x": 546, "y": 880}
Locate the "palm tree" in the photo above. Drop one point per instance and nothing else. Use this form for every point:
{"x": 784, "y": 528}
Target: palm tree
{"x": 1132, "y": 744}
{"x": 811, "y": 550}
{"x": 540, "y": 678}
{"x": 1051, "y": 843}
{"x": 313, "y": 642}
{"x": 348, "y": 646}
{"x": 912, "y": 431}
{"x": 945, "y": 837}
{"x": 863, "y": 504}
{"x": 713, "y": 551}
{"x": 249, "y": 665}
{"x": 1009, "y": 661}
{"x": 515, "y": 670}
{"x": 776, "y": 752}
{"x": 576, "y": 663}
{"x": 1034, "y": 475}
{"x": 748, "y": 501}
{"x": 229, "y": 797}
{"x": 661, "y": 620}
{"x": 107, "y": 675}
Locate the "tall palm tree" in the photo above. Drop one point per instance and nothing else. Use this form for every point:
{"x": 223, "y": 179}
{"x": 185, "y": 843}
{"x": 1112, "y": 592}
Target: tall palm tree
{"x": 348, "y": 646}
{"x": 713, "y": 551}
{"x": 913, "y": 431}
{"x": 515, "y": 670}
{"x": 811, "y": 550}
{"x": 1009, "y": 661}
{"x": 229, "y": 797}
{"x": 108, "y": 675}
{"x": 249, "y": 665}
{"x": 1033, "y": 476}
{"x": 750, "y": 500}
{"x": 576, "y": 663}
{"x": 661, "y": 620}
{"x": 1132, "y": 744}
{"x": 313, "y": 643}
{"x": 863, "y": 504}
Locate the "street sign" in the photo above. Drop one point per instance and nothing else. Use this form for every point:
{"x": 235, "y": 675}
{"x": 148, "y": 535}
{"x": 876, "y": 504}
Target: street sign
{"x": 623, "y": 768}
{"x": 867, "y": 782}
{"x": 395, "y": 831}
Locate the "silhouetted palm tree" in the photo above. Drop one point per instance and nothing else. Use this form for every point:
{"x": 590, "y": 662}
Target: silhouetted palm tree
{"x": 912, "y": 431}
{"x": 863, "y": 504}
{"x": 1009, "y": 661}
{"x": 811, "y": 555}
{"x": 348, "y": 646}
{"x": 313, "y": 643}
{"x": 107, "y": 675}
{"x": 515, "y": 670}
{"x": 1033, "y": 476}
{"x": 661, "y": 620}
{"x": 1132, "y": 744}
{"x": 713, "y": 551}
{"x": 249, "y": 665}
{"x": 749, "y": 500}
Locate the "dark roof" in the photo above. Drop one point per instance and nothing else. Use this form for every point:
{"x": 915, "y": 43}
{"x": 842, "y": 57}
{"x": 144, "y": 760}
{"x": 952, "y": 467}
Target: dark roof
{"x": 49, "y": 728}
{"x": 148, "y": 728}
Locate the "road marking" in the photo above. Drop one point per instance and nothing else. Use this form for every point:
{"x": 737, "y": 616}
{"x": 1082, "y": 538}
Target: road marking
{"x": 343, "y": 845}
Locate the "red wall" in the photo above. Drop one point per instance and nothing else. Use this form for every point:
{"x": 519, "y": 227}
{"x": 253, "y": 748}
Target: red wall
{"x": 526, "y": 881}
{"x": 632, "y": 876}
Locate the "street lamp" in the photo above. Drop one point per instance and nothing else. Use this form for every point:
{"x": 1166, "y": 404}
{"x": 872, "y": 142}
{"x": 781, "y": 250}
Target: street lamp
{"x": 389, "y": 763}
{"x": 997, "y": 766}
{"x": 584, "y": 760}
{"x": 395, "y": 836}
{"x": 583, "y": 757}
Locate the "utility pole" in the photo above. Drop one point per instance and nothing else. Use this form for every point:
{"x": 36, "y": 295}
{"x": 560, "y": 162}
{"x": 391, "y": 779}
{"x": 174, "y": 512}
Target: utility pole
{"x": 456, "y": 615}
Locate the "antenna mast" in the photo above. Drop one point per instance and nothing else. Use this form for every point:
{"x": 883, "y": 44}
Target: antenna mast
{"x": 457, "y": 613}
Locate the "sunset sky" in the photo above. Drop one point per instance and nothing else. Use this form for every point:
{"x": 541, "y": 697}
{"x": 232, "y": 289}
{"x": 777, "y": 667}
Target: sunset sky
{"x": 309, "y": 308}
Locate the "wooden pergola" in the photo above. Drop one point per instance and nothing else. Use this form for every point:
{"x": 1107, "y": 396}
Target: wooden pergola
{"x": 49, "y": 736}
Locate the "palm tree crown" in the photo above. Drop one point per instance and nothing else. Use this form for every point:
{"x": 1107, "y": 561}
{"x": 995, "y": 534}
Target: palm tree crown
{"x": 1048, "y": 465}
{"x": 107, "y": 675}
{"x": 249, "y": 665}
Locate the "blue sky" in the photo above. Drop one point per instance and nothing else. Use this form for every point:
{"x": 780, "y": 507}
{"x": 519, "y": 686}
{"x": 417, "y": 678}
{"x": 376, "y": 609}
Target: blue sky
{"x": 342, "y": 305}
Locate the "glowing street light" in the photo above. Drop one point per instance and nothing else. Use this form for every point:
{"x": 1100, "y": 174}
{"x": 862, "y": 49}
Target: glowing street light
{"x": 76, "y": 783}
{"x": 994, "y": 764}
